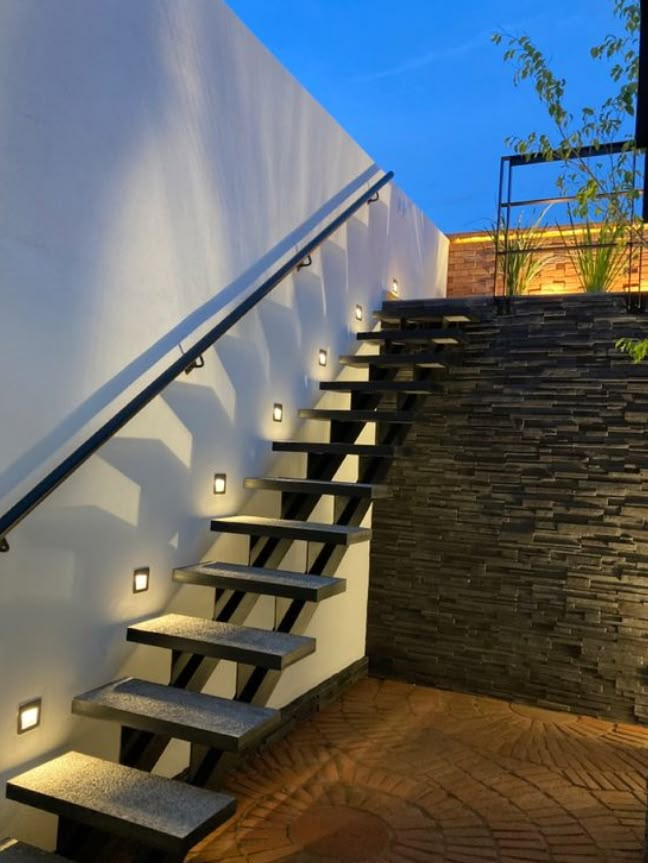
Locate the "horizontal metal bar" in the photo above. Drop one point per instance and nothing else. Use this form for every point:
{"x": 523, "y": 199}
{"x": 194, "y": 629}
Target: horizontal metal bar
{"x": 588, "y": 152}
{"x": 81, "y": 454}
{"x": 567, "y": 198}
{"x": 563, "y": 247}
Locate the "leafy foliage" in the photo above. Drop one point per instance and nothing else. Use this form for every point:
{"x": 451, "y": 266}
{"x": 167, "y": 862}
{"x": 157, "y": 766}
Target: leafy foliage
{"x": 604, "y": 185}
{"x": 637, "y": 348}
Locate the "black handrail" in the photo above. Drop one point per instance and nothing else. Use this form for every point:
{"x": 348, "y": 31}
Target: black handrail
{"x": 69, "y": 465}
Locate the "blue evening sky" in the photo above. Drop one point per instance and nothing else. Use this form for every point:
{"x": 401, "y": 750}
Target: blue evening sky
{"x": 418, "y": 84}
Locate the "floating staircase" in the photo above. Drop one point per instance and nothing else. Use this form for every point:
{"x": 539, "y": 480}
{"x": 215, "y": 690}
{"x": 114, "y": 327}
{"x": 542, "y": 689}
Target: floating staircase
{"x": 418, "y": 341}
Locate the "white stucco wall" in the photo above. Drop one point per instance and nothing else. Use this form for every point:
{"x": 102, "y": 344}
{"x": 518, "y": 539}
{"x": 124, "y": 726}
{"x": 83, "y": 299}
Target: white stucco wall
{"x": 155, "y": 164}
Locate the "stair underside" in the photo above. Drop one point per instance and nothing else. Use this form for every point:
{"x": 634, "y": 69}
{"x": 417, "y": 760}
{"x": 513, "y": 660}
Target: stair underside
{"x": 325, "y": 448}
{"x": 269, "y": 582}
{"x": 414, "y": 387}
{"x": 261, "y": 647}
{"x": 423, "y": 360}
{"x": 216, "y": 722}
{"x": 279, "y": 528}
{"x": 12, "y": 851}
{"x": 414, "y": 336}
{"x": 318, "y": 487}
{"x": 157, "y": 812}
{"x": 358, "y": 416}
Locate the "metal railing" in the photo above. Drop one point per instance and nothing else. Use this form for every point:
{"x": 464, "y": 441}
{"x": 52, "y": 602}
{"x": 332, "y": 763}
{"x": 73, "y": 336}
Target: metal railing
{"x": 192, "y": 358}
{"x": 506, "y": 204}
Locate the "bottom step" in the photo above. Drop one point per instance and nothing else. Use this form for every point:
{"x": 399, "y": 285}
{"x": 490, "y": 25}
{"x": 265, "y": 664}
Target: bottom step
{"x": 12, "y": 851}
{"x": 156, "y": 812}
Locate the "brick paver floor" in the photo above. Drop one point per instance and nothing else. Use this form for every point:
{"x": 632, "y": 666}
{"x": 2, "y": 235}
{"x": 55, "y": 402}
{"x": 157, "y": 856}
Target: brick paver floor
{"x": 406, "y": 774}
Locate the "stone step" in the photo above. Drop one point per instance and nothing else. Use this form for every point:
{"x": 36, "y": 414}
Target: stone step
{"x": 256, "y": 579}
{"x": 215, "y": 722}
{"x": 423, "y": 360}
{"x": 280, "y": 528}
{"x": 414, "y": 336}
{"x": 413, "y": 387}
{"x": 357, "y": 416}
{"x": 450, "y": 311}
{"x": 318, "y": 487}
{"x": 12, "y": 851}
{"x": 261, "y": 647}
{"x": 159, "y": 813}
{"x": 324, "y": 448}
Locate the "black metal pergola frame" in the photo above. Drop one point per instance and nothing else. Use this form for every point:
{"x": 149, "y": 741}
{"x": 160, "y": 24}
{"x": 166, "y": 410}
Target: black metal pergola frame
{"x": 506, "y": 202}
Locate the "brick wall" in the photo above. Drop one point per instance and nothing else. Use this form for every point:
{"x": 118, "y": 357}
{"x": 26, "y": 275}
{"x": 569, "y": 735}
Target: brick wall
{"x": 512, "y": 560}
{"x": 471, "y": 267}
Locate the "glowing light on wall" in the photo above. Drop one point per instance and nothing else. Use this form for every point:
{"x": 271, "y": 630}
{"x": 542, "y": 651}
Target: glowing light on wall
{"x": 220, "y": 483}
{"x": 141, "y": 579}
{"x": 29, "y": 715}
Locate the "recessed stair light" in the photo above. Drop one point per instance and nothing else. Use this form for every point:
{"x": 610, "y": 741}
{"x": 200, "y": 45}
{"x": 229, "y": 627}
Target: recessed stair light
{"x": 358, "y": 313}
{"x": 277, "y": 412}
{"x": 322, "y": 357}
{"x": 141, "y": 579}
{"x": 29, "y": 715}
{"x": 220, "y": 483}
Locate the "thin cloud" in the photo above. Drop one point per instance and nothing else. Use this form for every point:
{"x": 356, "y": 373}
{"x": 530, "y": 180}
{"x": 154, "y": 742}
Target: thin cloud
{"x": 416, "y": 63}
{"x": 413, "y": 64}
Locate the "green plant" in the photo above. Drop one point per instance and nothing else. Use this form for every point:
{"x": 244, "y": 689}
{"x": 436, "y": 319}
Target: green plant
{"x": 520, "y": 264}
{"x": 599, "y": 258}
{"x": 603, "y": 186}
{"x": 636, "y": 348}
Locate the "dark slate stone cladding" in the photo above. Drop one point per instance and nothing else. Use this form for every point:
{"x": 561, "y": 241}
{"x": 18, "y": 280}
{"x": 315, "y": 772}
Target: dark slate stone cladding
{"x": 512, "y": 560}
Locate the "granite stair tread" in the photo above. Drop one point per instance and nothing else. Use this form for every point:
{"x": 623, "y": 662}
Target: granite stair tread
{"x": 424, "y": 360}
{"x": 254, "y": 579}
{"x": 318, "y": 487}
{"x": 280, "y": 528}
{"x": 12, "y": 851}
{"x": 205, "y": 719}
{"x": 262, "y": 647}
{"x": 452, "y": 311}
{"x": 414, "y": 387}
{"x": 326, "y": 448}
{"x": 157, "y": 812}
{"x": 414, "y": 336}
{"x": 358, "y": 416}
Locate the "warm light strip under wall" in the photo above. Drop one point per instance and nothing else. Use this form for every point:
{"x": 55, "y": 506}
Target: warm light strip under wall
{"x": 550, "y": 235}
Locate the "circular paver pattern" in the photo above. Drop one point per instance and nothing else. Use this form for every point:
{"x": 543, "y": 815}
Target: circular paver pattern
{"x": 394, "y": 773}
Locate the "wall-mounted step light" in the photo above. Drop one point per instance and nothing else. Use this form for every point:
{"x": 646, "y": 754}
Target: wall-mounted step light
{"x": 220, "y": 483}
{"x": 141, "y": 579}
{"x": 277, "y": 412}
{"x": 358, "y": 313}
{"x": 29, "y": 715}
{"x": 322, "y": 357}
{"x": 395, "y": 288}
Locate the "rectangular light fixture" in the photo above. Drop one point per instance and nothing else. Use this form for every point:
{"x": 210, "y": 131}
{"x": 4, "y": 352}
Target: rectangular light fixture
{"x": 141, "y": 578}
{"x": 395, "y": 288}
{"x": 277, "y": 412}
{"x": 322, "y": 357}
{"x": 29, "y": 715}
{"x": 358, "y": 313}
{"x": 220, "y": 483}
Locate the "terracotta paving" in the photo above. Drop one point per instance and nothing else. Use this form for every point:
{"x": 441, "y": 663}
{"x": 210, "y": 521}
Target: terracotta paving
{"x": 395, "y": 773}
